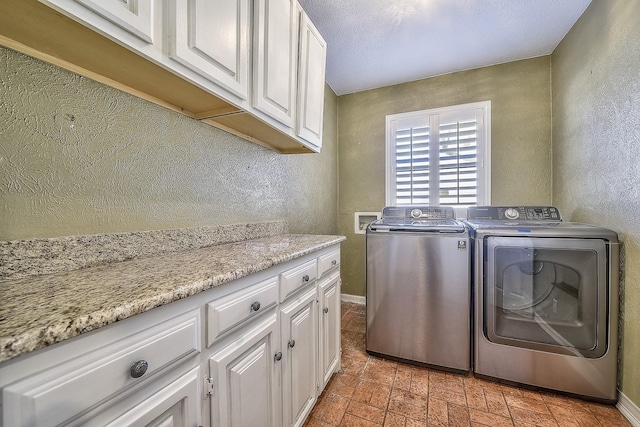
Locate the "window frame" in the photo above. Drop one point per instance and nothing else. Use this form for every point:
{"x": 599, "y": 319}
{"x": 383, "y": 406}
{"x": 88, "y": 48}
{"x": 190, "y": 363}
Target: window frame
{"x": 431, "y": 116}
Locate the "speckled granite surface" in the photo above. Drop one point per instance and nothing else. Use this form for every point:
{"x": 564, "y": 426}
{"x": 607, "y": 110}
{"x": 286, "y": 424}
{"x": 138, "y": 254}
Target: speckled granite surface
{"x": 37, "y": 311}
{"x": 21, "y": 258}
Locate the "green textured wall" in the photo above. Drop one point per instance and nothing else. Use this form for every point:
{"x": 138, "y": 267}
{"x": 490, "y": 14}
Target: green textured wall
{"x": 79, "y": 157}
{"x": 520, "y": 95}
{"x": 596, "y": 146}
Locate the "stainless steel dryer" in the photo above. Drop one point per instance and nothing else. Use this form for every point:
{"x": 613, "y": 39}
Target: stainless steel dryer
{"x": 546, "y": 300}
{"x": 418, "y": 287}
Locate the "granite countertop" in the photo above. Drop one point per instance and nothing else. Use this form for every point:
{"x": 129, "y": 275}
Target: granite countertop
{"x": 38, "y": 311}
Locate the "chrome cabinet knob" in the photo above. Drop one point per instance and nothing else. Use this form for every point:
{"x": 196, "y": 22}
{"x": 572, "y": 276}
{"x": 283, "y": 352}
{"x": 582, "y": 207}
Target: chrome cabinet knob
{"x": 138, "y": 368}
{"x": 305, "y": 278}
{"x": 334, "y": 262}
{"x": 326, "y": 310}
{"x": 255, "y": 306}
{"x": 292, "y": 343}
{"x": 278, "y": 356}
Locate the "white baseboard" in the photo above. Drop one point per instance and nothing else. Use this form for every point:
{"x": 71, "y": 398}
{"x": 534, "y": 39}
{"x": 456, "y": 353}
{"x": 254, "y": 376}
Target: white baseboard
{"x": 356, "y": 299}
{"x": 629, "y": 409}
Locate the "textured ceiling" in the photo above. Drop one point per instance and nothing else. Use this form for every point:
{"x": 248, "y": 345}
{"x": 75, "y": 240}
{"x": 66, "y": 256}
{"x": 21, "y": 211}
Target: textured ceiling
{"x": 375, "y": 43}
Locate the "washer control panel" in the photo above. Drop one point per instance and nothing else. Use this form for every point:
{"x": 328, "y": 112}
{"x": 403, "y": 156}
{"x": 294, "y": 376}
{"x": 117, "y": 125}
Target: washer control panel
{"x": 514, "y": 213}
{"x": 418, "y": 212}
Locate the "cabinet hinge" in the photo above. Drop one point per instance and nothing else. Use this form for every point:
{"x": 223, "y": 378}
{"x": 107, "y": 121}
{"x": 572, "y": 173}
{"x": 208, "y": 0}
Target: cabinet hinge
{"x": 208, "y": 386}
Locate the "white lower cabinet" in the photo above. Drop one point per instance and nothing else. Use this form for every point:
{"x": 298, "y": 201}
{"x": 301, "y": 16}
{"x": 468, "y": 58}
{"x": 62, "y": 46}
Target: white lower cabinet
{"x": 244, "y": 382}
{"x": 270, "y": 368}
{"x": 263, "y": 363}
{"x": 298, "y": 319}
{"x": 329, "y": 328}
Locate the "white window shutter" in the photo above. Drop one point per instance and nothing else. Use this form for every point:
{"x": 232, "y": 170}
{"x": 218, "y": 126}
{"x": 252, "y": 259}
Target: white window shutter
{"x": 433, "y": 156}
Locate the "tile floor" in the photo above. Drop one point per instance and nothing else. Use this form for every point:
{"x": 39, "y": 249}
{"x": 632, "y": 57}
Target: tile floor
{"x": 371, "y": 391}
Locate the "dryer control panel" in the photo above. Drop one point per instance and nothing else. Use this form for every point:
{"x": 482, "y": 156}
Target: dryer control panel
{"x": 514, "y": 213}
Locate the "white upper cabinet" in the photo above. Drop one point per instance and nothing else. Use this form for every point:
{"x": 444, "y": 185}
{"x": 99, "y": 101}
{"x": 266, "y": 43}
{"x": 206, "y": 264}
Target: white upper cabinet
{"x": 311, "y": 80}
{"x": 276, "y": 59}
{"x": 255, "y": 68}
{"x": 134, "y": 16}
{"x": 212, "y": 39}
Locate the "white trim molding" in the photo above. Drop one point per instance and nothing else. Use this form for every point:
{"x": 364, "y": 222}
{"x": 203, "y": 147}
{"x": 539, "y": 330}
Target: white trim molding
{"x": 629, "y": 409}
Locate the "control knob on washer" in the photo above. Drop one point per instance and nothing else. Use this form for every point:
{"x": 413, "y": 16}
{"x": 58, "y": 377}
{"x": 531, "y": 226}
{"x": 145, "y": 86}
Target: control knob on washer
{"x": 512, "y": 213}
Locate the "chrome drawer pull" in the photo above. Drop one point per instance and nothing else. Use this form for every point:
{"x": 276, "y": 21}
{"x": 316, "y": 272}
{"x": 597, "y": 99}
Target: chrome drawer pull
{"x": 278, "y": 356}
{"x": 305, "y": 278}
{"x": 292, "y": 343}
{"x": 255, "y": 306}
{"x": 138, "y": 368}
{"x": 334, "y": 262}
{"x": 326, "y": 310}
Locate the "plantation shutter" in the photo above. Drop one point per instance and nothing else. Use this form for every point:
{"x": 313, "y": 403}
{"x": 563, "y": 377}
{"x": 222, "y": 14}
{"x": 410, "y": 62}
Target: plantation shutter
{"x": 458, "y": 162}
{"x": 434, "y": 157}
{"x": 412, "y": 165}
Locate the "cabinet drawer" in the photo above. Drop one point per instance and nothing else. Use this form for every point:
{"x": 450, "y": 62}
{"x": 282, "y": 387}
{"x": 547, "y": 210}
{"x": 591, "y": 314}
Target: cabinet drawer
{"x": 328, "y": 261}
{"x": 65, "y": 391}
{"x": 226, "y": 313}
{"x": 294, "y": 279}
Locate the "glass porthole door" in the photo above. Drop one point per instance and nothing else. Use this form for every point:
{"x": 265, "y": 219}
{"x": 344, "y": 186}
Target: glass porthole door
{"x": 547, "y": 294}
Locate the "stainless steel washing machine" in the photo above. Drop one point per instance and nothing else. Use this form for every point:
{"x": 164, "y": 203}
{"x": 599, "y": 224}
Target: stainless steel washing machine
{"x": 418, "y": 287}
{"x": 546, "y": 300}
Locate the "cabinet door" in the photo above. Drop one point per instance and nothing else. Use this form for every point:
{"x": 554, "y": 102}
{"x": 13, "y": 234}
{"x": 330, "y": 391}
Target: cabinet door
{"x": 212, "y": 39}
{"x": 299, "y": 337}
{"x": 311, "y": 75}
{"x": 276, "y": 58}
{"x": 176, "y": 405}
{"x": 245, "y": 374}
{"x": 329, "y": 301}
{"x": 134, "y": 16}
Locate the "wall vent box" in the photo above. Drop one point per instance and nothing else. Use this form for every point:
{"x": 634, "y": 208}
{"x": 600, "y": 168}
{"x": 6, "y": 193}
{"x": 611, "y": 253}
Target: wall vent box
{"x": 362, "y": 220}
